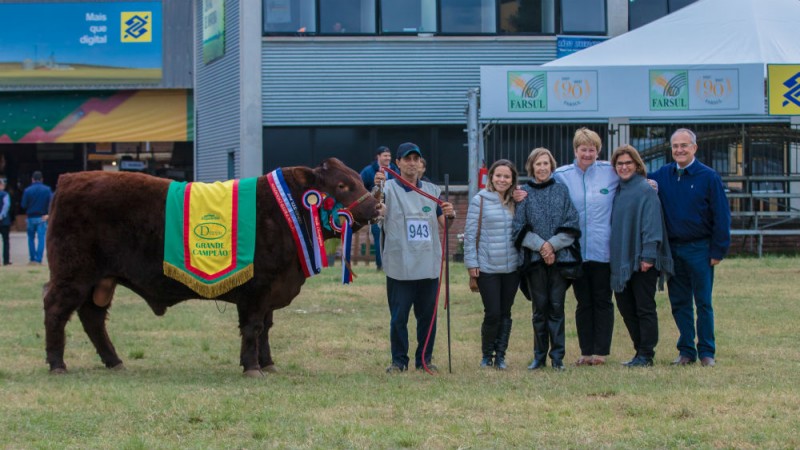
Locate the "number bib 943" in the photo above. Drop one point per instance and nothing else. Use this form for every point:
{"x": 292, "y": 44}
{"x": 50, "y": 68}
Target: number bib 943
{"x": 418, "y": 230}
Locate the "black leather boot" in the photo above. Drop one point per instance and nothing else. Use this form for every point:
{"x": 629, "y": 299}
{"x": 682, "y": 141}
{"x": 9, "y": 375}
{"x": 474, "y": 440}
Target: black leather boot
{"x": 488, "y": 336}
{"x": 501, "y": 344}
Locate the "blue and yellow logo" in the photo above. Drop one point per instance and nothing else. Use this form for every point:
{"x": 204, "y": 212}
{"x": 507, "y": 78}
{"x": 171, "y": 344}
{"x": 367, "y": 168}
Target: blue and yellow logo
{"x": 136, "y": 26}
{"x": 783, "y": 81}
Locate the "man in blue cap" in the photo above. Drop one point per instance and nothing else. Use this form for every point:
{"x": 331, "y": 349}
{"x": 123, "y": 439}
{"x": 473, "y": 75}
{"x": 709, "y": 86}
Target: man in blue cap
{"x": 412, "y": 256}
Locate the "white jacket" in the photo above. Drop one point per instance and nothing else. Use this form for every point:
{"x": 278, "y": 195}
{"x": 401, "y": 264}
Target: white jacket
{"x": 593, "y": 193}
{"x": 497, "y": 253}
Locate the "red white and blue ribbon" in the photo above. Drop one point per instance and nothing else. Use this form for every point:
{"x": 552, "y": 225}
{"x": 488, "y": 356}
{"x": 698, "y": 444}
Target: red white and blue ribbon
{"x": 347, "y": 241}
{"x": 345, "y": 230}
{"x": 281, "y": 191}
{"x": 312, "y": 200}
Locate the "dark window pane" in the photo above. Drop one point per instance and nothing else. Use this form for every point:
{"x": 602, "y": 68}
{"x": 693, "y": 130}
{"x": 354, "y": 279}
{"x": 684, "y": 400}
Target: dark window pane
{"x": 468, "y": 16}
{"x": 675, "y": 5}
{"x": 583, "y": 16}
{"x": 641, "y": 12}
{"x": 347, "y": 16}
{"x": 527, "y": 16}
{"x": 288, "y": 146}
{"x": 408, "y": 16}
{"x": 289, "y": 16}
{"x": 350, "y": 144}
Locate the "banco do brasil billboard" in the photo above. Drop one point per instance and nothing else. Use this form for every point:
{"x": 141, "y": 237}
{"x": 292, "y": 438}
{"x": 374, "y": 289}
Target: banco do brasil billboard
{"x": 51, "y": 44}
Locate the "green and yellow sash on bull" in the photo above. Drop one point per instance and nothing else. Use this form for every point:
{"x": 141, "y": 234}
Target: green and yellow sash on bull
{"x": 210, "y": 234}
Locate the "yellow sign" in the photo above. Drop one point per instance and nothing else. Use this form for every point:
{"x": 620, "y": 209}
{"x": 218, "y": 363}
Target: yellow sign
{"x": 210, "y": 231}
{"x": 783, "y": 87}
{"x": 136, "y": 26}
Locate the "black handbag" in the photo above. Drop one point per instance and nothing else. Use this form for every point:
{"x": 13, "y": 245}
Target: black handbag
{"x": 573, "y": 269}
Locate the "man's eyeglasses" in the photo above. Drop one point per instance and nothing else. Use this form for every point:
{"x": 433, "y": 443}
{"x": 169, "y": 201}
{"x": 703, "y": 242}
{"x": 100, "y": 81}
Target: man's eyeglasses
{"x": 682, "y": 145}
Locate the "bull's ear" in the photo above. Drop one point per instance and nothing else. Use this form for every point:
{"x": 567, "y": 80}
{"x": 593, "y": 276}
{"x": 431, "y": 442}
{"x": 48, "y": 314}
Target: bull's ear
{"x": 305, "y": 176}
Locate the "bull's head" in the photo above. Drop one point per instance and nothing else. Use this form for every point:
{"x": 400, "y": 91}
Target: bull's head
{"x": 335, "y": 179}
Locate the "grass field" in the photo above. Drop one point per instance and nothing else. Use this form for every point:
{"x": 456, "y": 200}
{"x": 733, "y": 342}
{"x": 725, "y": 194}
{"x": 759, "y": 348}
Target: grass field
{"x": 183, "y": 388}
{"x": 12, "y": 74}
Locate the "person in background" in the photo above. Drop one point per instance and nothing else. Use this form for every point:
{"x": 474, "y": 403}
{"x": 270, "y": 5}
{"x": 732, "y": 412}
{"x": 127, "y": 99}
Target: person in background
{"x": 5, "y": 220}
{"x": 424, "y": 165}
{"x": 412, "y": 256}
{"x": 639, "y": 253}
{"x": 545, "y": 224}
{"x": 698, "y": 224}
{"x": 592, "y": 185}
{"x": 494, "y": 259}
{"x": 36, "y": 202}
{"x": 383, "y": 158}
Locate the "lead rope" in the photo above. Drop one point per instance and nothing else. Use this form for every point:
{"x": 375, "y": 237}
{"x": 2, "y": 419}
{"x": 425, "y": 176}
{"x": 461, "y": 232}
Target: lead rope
{"x": 441, "y": 267}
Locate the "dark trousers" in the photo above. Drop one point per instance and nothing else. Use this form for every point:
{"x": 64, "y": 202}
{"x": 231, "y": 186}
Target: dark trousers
{"x": 403, "y": 295}
{"x": 497, "y": 292}
{"x": 691, "y": 288}
{"x": 637, "y": 305}
{"x": 4, "y": 229}
{"x": 594, "y": 316}
{"x": 376, "y": 242}
{"x": 548, "y": 289}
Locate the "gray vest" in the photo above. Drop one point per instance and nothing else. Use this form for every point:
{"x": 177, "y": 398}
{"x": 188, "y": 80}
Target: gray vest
{"x": 410, "y": 248}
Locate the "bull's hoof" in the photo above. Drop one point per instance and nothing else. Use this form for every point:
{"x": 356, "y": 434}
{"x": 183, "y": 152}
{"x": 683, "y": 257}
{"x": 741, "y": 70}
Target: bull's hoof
{"x": 58, "y": 371}
{"x": 270, "y": 368}
{"x": 253, "y": 373}
{"x": 118, "y": 367}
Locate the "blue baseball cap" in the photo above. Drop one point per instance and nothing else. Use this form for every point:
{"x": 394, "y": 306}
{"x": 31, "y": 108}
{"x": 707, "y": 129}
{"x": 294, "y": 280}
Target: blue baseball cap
{"x": 406, "y": 149}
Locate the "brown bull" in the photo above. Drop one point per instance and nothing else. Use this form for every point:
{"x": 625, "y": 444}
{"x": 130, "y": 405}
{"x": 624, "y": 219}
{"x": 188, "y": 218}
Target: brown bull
{"x": 108, "y": 228}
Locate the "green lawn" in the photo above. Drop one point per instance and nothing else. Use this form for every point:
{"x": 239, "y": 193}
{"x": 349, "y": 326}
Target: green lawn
{"x": 183, "y": 387}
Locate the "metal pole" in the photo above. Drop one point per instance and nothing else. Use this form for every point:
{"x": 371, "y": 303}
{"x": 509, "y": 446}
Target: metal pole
{"x": 473, "y": 138}
{"x": 447, "y": 272}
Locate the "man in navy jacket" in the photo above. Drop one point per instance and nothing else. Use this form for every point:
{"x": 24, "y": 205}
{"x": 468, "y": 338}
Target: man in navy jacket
{"x": 698, "y": 221}
{"x": 36, "y": 202}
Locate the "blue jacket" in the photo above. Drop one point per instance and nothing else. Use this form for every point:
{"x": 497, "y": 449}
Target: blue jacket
{"x": 592, "y": 192}
{"x": 695, "y": 206}
{"x": 495, "y": 252}
{"x": 368, "y": 174}
{"x": 36, "y": 199}
{"x": 5, "y": 209}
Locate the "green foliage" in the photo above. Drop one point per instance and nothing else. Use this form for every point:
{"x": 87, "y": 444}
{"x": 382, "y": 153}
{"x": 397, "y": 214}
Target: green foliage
{"x": 183, "y": 387}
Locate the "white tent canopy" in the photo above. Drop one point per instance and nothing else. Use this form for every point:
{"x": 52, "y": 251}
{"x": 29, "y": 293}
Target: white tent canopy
{"x": 706, "y": 32}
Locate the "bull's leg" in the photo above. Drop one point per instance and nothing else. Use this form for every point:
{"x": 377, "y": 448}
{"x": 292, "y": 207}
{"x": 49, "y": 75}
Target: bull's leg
{"x": 251, "y": 324}
{"x": 264, "y": 351}
{"x": 60, "y": 301}
{"x": 93, "y": 318}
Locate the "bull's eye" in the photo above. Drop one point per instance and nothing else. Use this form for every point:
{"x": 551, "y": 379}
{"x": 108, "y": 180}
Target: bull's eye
{"x": 343, "y": 187}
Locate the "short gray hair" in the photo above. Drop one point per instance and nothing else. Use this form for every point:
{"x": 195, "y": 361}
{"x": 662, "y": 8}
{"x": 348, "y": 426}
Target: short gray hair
{"x": 691, "y": 134}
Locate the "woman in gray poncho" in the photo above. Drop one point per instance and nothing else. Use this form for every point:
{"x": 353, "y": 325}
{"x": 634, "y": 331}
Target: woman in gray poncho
{"x": 545, "y": 224}
{"x": 639, "y": 253}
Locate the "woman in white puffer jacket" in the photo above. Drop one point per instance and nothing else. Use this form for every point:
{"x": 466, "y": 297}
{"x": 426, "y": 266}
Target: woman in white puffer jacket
{"x": 494, "y": 260}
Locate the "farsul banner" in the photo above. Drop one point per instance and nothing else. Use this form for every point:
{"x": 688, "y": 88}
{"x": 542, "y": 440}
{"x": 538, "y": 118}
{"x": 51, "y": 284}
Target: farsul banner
{"x": 536, "y": 92}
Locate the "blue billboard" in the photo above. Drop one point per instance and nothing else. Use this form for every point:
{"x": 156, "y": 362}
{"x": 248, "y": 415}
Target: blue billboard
{"x": 80, "y": 43}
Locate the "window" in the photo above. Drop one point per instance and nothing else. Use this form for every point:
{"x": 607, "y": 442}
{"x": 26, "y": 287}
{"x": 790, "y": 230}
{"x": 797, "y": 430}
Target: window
{"x": 347, "y": 17}
{"x": 289, "y": 16}
{"x": 641, "y": 12}
{"x": 408, "y": 16}
{"x": 583, "y": 16}
{"x": 675, "y": 5}
{"x": 527, "y": 16}
{"x": 468, "y": 16}
{"x": 471, "y": 17}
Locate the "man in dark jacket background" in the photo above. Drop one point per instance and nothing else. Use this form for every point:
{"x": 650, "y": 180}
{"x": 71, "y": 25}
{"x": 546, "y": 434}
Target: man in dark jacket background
{"x": 36, "y": 202}
{"x": 383, "y": 158}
